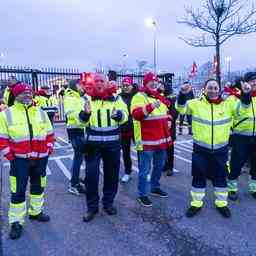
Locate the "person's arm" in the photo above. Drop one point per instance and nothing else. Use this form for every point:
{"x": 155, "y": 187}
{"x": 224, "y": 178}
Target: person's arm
{"x": 182, "y": 104}
{"x": 5, "y": 148}
{"x": 140, "y": 109}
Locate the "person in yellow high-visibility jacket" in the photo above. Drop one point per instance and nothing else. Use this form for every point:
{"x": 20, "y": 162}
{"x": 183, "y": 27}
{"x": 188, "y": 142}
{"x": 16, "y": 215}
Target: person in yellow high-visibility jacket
{"x": 26, "y": 140}
{"x": 244, "y": 140}
{"x": 104, "y": 114}
{"x": 8, "y": 97}
{"x": 74, "y": 101}
{"x": 212, "y": 118}
{"x": 47, "y": 101}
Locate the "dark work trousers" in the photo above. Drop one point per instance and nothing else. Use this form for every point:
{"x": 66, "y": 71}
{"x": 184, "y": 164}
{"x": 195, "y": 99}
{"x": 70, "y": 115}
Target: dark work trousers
{"x": 253, "y": 162}
{"x": 182, "y": 118}
{"x": 126, "y": 148}
{"x": 111, "y": 165}
{"x": 208, "y": 164}
{"x": 51, "y": 116}
{"x": 170, "y": 159}
{"x": 22, "y": 170}
{"x": 243, "y": 149}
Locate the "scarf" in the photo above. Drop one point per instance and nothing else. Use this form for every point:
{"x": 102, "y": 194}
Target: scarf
{"x": 156, "y": 95}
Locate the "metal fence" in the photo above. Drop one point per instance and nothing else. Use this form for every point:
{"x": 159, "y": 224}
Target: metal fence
{"x": 56, "y": 78}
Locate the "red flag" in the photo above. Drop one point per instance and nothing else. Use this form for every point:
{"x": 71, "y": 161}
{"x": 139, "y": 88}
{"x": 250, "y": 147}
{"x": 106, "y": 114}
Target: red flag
{"x": 193, "y": 71}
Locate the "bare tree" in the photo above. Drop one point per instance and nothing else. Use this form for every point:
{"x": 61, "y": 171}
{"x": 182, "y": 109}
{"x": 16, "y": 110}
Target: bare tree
{"x": 219, "y": 20}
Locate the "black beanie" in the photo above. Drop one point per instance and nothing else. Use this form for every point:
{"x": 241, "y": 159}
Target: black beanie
{"x": 72, "y": 84}
{"x": 249, "y": 76}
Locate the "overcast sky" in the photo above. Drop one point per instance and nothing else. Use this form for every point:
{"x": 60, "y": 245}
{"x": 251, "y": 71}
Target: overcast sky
{"x": 84, "y": 33}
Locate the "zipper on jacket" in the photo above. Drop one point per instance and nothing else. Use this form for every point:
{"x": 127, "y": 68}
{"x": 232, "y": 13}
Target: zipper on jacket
{"x": 30, "y": 129}
{"x": 212, "y": 124}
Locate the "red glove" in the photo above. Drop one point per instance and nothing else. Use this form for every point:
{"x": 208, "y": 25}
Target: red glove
{"x": 10, "y": 156}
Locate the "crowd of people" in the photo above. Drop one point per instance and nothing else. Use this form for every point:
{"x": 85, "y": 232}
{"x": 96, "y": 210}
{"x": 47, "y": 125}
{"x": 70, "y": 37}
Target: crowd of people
{"x": 103, "y": 121}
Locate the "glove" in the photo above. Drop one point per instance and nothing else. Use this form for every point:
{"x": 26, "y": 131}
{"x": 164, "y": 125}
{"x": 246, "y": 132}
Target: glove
{"x": 50, "y": 148}
{"x": 10, "y": 156}
{"x": 117, "y": 115}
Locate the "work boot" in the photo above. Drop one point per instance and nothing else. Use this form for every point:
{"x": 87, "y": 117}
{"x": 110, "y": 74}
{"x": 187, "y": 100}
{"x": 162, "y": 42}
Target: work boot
{"x": 90, "y": 215}
{"x": 81, "y": 188}
{"x": 233, "y": 195}
{"x": 169, "y": 172}
{"x": 110, "y": 210}
{"x": 16, "y": 231}
{"x": 224, "y": 211}
{"x": 192, "y": 211}
{"x": 253, "y": 195}
{"x": 41, "y": 217}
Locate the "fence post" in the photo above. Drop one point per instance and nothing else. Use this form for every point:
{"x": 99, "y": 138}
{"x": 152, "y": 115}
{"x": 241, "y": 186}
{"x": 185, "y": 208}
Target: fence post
{"x": 34, "y": 79}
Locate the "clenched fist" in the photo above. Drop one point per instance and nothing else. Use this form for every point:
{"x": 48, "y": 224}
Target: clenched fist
{"x": 246, "y": 87}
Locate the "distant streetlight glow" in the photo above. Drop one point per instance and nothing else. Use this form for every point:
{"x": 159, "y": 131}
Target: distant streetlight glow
{"x": 150, "y": 23}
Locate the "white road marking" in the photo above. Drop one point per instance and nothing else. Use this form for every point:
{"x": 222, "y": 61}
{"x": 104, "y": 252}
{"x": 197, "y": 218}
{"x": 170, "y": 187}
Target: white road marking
{"x": 63, "y": 168}
{"x": 183, "y": 141}
{"x": 185, "y": 149}
{"x": 57, "y": 145}
{"x": 63, "y": 140}
{"x": 183, "y": 159}
{"x": 185, "y": 145}
{"x": 48, "y": 171}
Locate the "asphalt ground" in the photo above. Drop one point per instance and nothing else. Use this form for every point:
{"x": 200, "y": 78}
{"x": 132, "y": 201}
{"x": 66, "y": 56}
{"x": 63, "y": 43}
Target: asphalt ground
{"x": 160, "y": 230}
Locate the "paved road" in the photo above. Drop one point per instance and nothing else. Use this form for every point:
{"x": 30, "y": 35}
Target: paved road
{"x": 160, "y": 230}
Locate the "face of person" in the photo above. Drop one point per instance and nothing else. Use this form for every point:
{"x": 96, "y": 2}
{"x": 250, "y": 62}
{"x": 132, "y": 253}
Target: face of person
{"x": 126, "y": 88}
{"x": 80, "y": 89}
{"x": 25, "y": 98}
{"x": 253, "y": 84}
{"x": 99, "y": 85}
{"x": 153, "y": 85}
{"x": 212, "y": 90}
{"x": 88, "y": 89}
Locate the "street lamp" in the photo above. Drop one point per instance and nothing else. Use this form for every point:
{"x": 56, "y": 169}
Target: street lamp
{"x": 228, "y": 61}
{"x": 151, "y": 23}
{"x": 124, "y": 61}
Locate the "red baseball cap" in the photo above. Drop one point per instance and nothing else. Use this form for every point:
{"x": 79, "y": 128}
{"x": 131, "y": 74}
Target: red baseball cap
{"x": 20, "y": 88}
{"x": 127, "y": 80}
{"x": 149, "y": 77}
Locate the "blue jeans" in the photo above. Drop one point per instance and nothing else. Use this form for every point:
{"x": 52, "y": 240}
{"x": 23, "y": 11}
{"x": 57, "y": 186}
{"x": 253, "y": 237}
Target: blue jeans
{"x": 145, "y": 158}
{"x": 77, "y": 161}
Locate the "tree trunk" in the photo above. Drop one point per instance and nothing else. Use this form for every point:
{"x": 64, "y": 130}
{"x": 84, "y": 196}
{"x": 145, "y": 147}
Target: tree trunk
{"x": 218, "y": 74}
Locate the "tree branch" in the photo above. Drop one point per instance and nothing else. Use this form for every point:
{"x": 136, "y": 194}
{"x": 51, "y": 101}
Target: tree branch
{"x": 198, "y": 41}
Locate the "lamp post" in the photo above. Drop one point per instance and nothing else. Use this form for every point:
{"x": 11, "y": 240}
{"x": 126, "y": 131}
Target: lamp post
{"x": 125, "y": 56}
{"x": 228, "y": 61}
{"x": 151, "y": 23}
